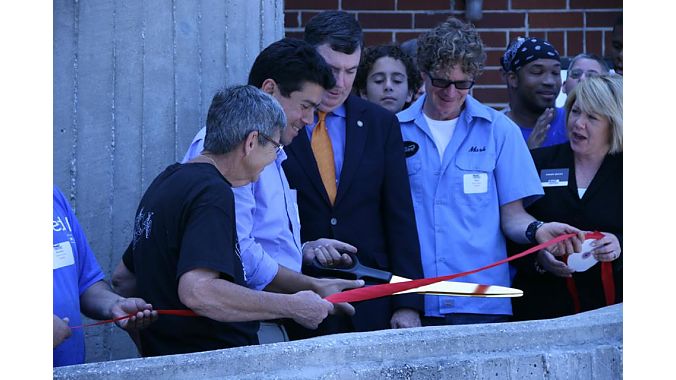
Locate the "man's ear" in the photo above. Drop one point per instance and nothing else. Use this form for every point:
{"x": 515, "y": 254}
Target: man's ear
{"x": 512, "y": 79}
{"x": 269, "y": 86}
{"x": 250, "y": 142}
{"x": 563, "y": 87}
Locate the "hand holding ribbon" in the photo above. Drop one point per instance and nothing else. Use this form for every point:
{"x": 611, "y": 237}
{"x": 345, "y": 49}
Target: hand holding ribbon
{"x": 377, "y": 291}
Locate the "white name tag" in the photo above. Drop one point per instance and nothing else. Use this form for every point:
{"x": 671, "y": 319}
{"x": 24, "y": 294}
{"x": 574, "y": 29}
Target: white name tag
{"x": 554, "y": 177}
{"x": 475, "y": 183}
{"x": 63, "y": 255}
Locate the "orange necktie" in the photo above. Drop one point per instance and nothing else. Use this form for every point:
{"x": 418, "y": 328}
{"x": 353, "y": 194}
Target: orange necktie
{"x": 323, "y": 151}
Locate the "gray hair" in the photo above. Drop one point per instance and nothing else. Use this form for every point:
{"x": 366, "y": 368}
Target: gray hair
{"x": 237, "y": 111}
{"x": 604, "y": 66}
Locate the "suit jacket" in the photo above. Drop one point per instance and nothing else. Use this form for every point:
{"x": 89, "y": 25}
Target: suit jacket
{"x": 373, "y": 209}
{"x": 600, "y": 209}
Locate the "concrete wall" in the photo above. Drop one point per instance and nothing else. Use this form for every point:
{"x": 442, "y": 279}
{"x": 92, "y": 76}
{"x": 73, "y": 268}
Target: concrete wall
{"x": 583, "y": 346}
{"x": 133, "y": 80}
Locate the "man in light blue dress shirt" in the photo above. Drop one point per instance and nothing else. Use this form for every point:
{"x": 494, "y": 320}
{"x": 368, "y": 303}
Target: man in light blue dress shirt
{"x": 470, "y": 173}
{"x": 268, "y": 224}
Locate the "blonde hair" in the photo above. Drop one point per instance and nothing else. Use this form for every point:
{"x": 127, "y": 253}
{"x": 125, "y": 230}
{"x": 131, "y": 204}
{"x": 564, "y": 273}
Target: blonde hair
{"x": 601, "y": 95}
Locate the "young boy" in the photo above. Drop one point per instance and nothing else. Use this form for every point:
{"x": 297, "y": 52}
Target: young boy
{"x": 387, "y": 77}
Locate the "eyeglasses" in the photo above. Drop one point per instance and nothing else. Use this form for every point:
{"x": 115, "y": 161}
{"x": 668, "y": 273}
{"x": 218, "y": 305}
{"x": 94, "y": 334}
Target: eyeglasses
{"x": 445, "y": 83}
{"x": 278, "y": 146}
{"x": 577, "y": 73}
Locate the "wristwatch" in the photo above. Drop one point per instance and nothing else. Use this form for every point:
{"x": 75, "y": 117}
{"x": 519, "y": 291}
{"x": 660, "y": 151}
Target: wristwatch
{"x": 532, "y": 229}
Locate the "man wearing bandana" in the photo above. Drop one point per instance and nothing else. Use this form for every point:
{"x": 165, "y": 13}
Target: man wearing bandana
{"x": 532, "y": 70}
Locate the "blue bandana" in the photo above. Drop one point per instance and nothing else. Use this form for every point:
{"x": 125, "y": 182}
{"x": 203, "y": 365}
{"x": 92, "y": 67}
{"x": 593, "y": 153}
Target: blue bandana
{"x": 523, "y": 51}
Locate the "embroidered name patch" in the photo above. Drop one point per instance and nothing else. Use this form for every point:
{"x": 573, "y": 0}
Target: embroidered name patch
{"x": 410, "y": 148}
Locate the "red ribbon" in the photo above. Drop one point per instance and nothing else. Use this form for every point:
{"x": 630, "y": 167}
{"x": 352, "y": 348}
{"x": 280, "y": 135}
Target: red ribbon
{"x": 607, "y": 281}
{"x": 377, "y": 291}
{"x": 181, "y": 313}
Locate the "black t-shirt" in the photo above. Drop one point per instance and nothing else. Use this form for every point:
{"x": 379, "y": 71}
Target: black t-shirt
{"x": 186, "y": 220}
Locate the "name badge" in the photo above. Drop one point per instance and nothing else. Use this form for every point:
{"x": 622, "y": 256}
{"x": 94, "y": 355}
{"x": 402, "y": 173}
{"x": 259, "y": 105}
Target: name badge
{"x": 475, "y": 183}
{"x": 63, "y": 255}
{"x": 554, "y": 177}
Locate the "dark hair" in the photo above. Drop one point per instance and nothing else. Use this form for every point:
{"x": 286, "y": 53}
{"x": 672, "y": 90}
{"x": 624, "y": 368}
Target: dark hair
{"x": 291, "y": 63}
{"x": 337, "y": 28}
{"x": 373, "y": 53}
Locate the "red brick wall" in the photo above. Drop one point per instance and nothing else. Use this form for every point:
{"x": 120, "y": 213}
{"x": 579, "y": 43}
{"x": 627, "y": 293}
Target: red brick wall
{"x": 573, "y": 26}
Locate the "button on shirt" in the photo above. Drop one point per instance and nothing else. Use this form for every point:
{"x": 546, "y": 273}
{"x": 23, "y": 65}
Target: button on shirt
{"x": 457, "y": 199}
{"x": 268, "y": 225}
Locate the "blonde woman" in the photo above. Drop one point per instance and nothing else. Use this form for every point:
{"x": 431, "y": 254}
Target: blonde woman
{"x": 583, "y": 187}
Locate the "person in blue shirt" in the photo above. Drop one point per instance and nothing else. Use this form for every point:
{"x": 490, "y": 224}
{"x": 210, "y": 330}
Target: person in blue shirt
{"x": 79, "y": 287}
{"x": 470, "y": 173}
{"x": 267, "y": 214}
{"x": 532, "y": 69}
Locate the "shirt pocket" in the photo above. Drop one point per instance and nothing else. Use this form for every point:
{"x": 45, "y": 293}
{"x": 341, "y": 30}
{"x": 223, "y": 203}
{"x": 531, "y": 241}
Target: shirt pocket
{"x": 474, "y": 174}
{"x": 413, "y": 167}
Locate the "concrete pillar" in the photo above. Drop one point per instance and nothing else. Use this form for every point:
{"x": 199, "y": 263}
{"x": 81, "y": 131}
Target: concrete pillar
{"x": 132, "y": 83}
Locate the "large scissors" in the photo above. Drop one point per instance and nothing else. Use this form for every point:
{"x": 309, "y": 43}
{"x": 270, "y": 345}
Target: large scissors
{"x": 442, "y": 288}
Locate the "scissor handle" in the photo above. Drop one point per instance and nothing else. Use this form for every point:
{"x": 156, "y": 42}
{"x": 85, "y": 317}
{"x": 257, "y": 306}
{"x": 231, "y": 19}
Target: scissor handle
{"x": 353, "y": 272}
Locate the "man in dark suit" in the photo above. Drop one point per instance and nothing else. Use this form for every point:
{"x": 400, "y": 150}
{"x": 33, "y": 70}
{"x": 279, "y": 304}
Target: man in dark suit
{"x": 350, "y": 173}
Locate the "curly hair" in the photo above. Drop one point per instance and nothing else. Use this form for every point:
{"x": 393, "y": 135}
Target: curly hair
{"x": 450, "y": 44}
{"x": 373, "y": 53}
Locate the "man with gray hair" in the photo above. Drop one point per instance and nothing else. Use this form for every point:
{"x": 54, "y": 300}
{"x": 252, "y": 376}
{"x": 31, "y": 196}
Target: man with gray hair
{"x": 185, "y": 254}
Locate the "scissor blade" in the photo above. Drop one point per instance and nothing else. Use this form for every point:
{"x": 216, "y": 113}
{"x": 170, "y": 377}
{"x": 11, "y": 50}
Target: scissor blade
{"x": 460, "y": 289}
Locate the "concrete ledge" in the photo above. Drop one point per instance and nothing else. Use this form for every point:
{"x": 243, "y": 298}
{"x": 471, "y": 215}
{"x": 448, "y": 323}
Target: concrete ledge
{"x": 587, "y": 345}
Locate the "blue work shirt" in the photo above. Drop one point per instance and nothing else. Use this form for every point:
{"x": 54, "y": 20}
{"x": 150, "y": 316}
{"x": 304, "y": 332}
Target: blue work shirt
{"x": 268, "y": 226}
{"x": 457, "y": 200}
{"x": 335, "y": 124}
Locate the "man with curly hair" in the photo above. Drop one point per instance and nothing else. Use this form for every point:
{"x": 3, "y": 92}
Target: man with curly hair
{"x": 470, "y": 173}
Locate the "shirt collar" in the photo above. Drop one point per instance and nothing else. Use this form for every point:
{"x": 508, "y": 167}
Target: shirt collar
{"x": 412, "y": 112}
{"x": 473, "y": 108}
{"x": 340, "y": 111}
